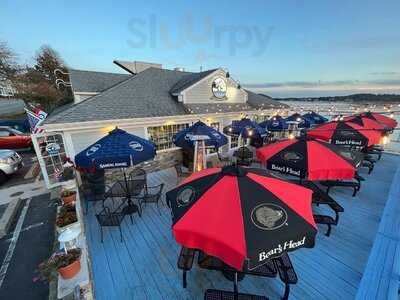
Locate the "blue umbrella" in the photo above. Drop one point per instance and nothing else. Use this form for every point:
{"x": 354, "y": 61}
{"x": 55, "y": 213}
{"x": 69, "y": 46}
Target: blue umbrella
{"x": 302, "y": 122}
{"x": 215, "y": 138}
{"x": 315, "y": 118}
{"x": 118, "y": 149}
{"x": 276, "y": 123}
{"x": 245, "y": 127}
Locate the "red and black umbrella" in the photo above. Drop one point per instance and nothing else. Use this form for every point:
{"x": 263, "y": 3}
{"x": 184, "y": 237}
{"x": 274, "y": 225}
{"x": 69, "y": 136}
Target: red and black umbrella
{"x": 385, "y": 120}
{"x": 345, "y": 133}
{"x": 240, "y": 214}
{"x": 310, "y": 159}
{"x": 366, "y": 122}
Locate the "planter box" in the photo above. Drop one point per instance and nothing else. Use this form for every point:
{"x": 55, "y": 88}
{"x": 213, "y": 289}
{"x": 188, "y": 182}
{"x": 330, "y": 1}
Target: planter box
{"x": 76, "y": 224}
{"x": 69, "y": 185}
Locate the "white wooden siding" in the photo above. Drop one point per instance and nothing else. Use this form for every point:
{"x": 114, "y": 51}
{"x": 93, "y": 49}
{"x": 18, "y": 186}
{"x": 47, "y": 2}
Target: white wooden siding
{"x": 202, "y": 93}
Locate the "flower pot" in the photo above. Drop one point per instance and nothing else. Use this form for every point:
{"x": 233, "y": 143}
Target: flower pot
{"x": 71, "y": 270}
{"x": 69, "y": 200}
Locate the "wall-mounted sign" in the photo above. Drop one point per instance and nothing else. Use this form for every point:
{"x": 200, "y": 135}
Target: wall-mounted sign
{"x": 53, "y": 149}
{"x": 218, "y": 87}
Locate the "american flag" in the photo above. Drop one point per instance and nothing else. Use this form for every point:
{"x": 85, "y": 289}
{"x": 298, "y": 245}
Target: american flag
{"x": 35, "y": 118}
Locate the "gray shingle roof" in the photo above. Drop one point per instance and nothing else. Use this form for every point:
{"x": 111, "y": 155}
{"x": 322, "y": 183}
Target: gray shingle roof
{"x": 148, "y": 94}
{"x": 90, "y": 81}
{"x": 189, "y": 80}
{"x": 144, "y": 95}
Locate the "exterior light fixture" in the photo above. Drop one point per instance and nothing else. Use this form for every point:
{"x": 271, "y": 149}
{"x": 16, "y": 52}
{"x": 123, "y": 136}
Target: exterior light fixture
{"x": 385, "y": 140}
{"x": 291, "y": 136}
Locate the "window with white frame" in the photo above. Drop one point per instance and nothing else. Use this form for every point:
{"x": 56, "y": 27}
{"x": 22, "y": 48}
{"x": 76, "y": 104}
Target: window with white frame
{"x": 234, "y": 142}
{"x": 161, "y": 136}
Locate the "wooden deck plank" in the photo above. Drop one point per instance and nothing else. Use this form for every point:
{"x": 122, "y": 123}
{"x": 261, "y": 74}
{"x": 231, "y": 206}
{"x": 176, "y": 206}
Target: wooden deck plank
{"x": 382, "y": 273}
{"x": 144, "y": 265}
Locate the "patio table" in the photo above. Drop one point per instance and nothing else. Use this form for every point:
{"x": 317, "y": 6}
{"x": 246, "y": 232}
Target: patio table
{"x": 243, "y": 154}
{"x": 127, "y": 189}
{"x": 212, "y": 263}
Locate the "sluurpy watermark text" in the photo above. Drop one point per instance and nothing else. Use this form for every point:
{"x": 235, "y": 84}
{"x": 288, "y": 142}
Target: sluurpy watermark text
{"x": 205, "y": 36}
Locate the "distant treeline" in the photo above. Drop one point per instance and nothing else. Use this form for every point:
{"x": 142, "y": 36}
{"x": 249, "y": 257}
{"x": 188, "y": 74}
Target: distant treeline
{"x": 350, "y": 98}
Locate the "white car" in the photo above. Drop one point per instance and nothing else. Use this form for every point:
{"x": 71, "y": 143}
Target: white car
{"x": 10, "y": 163}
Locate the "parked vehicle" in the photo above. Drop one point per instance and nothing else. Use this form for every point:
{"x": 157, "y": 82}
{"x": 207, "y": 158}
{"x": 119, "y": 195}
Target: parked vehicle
{"x": 20, "y": 124}
{"x": 10, "y": 163}
{"x": 13, "y": 139}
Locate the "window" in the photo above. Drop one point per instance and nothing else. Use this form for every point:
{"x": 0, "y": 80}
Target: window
{"x": 234, "y": 141}
{"x": 161, "y": 136}
{"x": 4, "y": 133}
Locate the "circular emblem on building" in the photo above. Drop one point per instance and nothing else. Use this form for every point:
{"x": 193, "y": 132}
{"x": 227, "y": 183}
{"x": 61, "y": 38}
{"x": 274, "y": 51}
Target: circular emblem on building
{"x": 93, "y": 149}
{"x": 136, "y": 146}
{"x": 291, "y": 156}
{"x": 218, "y": 88}
{"x": 185, "y": 196}
{"x": 268, "y": 216}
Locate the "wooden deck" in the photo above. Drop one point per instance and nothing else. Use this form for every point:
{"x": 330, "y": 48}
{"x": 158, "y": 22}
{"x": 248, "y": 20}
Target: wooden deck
{"x": 144, "y": 265}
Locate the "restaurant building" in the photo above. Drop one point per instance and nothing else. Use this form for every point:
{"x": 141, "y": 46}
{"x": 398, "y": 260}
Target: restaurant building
{"x": 150, "y": 102}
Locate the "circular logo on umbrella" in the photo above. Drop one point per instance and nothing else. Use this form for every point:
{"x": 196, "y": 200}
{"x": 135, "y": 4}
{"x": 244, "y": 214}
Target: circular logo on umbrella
{"x": 217, "y": 135}
{"x": 93, "y": 149}
{"x": 136, "y": 146}
{"x": 347, "y": 133}
{"x": 268, "y": 216}
{"x": 291, "y": 156}
{"x": 275, "y": 124}
{"x": 185, "y": 196}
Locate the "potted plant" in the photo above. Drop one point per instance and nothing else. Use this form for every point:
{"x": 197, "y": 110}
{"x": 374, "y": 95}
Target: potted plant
{"x": 67, "y": 264}
{"x": 68, "y": 197}
{"x": 66, "y": 216}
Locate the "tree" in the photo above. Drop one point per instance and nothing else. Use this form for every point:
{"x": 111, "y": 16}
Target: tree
{"x": 37, "y": 84}
{"x": 48, "y": 60}
{"x": 8, "y": 66}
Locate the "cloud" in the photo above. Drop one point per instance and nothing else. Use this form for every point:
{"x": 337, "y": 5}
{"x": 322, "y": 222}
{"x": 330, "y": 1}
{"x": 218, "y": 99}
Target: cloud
{"x": 325, "y": 88}
{"x": 324, "y": 84}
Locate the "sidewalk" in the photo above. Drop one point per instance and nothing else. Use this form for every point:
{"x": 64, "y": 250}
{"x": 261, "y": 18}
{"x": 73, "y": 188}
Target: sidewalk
{"x": 22, "y": 191}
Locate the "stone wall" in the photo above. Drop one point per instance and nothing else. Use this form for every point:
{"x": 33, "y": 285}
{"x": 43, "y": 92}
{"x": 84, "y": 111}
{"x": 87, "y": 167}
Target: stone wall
{"x": 163, "y": 160}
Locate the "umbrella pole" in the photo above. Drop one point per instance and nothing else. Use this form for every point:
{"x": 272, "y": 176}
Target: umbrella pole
{"x": 235, "y": 286}
{"x": 128, "y": 194}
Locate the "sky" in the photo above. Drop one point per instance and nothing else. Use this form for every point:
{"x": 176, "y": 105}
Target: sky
{"x": 281, "y": 48}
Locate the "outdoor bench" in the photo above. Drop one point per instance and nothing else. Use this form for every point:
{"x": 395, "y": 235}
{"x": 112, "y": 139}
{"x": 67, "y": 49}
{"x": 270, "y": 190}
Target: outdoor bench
{"x": 212, "y": 294}
{"x": 320, "y": 197}
{"x": 327, "y": 220}
{"x": 281, "y": 265}
{"x": 185, "y": 262}
{"x": 333, "y": 183}
{"x": 286, "y": 272}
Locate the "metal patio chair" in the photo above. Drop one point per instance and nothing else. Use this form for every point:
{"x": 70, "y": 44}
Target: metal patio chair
{"x": 180, "y": 174}
{"x": 151, "y": 194}
{"x": 90, "y": 193}
{"x": 111, "y": 218}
